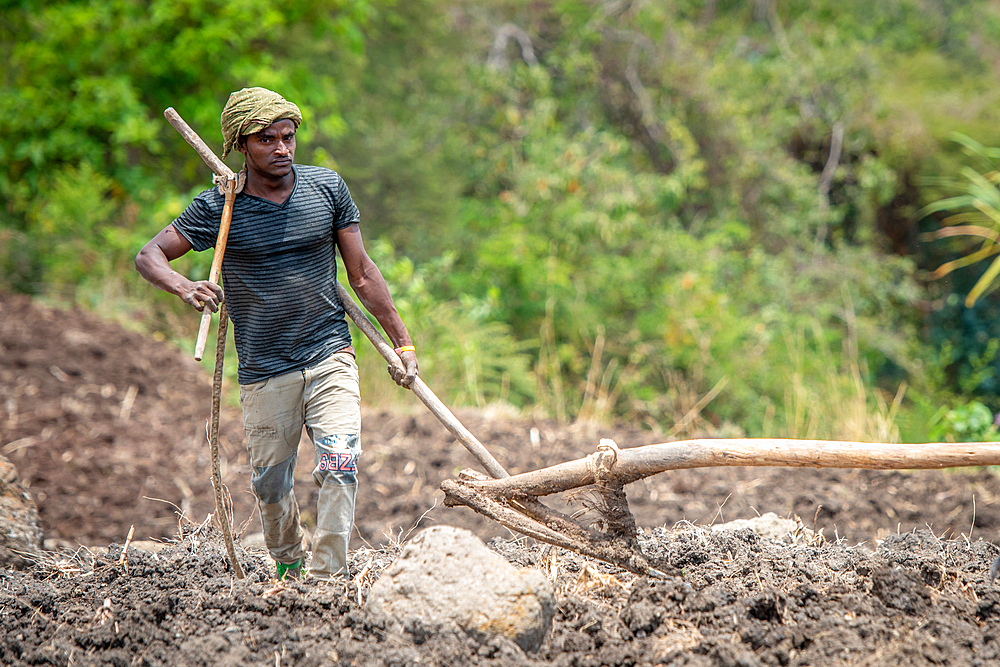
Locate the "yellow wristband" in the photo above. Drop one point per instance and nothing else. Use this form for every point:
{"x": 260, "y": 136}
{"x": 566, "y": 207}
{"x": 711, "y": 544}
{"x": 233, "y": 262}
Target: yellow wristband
{"x": 405, "y": 348}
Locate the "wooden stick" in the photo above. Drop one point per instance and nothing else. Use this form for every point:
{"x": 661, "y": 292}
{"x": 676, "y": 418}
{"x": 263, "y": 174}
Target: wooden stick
{"x": 123, "y": 561}
{"x": 213, "y": 162}
{"x": 213, "y": 438}
{"x": 220, "y": 169}
{"x": 639, "y": 462}
{"x": 213, "y": 274}
{"x": 420, "y": 388}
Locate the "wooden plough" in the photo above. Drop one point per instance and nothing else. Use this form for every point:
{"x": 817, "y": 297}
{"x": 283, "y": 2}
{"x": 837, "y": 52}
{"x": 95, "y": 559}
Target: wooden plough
{"x": 513, "y": 501}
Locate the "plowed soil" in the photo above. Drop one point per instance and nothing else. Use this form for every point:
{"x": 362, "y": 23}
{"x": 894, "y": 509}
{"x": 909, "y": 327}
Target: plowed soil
{"x": 107, "y": 427}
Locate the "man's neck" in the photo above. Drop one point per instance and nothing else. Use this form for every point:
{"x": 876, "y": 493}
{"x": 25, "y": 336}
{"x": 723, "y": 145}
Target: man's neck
{"x": 272, "y": 188}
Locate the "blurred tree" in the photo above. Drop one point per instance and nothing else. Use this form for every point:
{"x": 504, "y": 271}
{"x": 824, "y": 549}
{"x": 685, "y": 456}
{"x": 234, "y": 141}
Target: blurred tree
{"x": 83, "y": 87}
{"x": 678, "y": 213}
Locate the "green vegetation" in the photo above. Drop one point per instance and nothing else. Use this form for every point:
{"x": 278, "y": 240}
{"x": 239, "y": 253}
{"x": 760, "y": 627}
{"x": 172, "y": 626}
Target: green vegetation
{"x": 703, "y": 216}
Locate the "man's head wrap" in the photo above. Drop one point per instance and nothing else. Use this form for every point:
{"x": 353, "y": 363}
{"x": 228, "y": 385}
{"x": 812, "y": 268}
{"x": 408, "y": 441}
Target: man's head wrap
{"x": 249, "y": 111}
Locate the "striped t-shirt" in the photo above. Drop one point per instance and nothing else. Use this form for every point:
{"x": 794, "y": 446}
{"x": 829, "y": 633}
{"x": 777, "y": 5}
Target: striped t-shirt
{"x": 279, "y": 270}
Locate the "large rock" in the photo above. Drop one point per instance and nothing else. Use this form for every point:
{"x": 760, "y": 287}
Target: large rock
{"x": 20, "y": 533}
{"x": 446, "y": 580}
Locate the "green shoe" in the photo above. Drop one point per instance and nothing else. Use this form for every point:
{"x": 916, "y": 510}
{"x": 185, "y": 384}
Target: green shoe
{"x": 296, "y": 570}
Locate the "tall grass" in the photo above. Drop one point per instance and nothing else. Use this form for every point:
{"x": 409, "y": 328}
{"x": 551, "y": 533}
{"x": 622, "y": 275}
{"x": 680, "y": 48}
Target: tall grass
{"x": 841, "y": 403}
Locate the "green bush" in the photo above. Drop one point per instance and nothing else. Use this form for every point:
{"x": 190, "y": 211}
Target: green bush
{"x": 971, "y": 422}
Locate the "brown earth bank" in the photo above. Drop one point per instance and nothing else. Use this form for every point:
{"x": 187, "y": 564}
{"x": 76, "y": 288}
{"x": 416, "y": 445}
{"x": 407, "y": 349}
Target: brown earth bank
{"x": 107, "y": 429}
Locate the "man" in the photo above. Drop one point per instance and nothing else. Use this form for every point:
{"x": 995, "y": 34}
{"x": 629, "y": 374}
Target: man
{"x": 296, "y": 362}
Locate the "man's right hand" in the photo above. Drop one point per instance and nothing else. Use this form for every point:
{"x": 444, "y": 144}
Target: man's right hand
{"x": 201, "y": 293}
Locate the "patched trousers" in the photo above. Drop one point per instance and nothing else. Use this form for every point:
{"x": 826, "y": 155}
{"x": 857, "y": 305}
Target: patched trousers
{"x": 326, "y": 400}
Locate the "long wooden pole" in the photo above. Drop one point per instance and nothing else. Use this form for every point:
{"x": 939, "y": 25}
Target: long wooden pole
{"x": 213, "y": 439}
{"x": 210, "y": 158}
{"x": 220, "y": 169}
{"x": 420, "y": 388}
{"x": 636, "y": 463}
{"x": 213, "y": 274}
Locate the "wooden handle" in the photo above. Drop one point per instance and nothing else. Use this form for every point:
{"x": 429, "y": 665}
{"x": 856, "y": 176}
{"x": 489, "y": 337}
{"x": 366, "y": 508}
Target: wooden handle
{"x": 213, "y": 274}
{"x": 420, "y": 388}
{"x": 206, "y": 321}
{"x": 469, "y": 441}
{"x": 213, "y": 162}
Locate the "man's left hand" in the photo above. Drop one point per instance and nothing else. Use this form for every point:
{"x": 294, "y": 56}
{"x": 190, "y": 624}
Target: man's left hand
{"x": 405, "y": 377}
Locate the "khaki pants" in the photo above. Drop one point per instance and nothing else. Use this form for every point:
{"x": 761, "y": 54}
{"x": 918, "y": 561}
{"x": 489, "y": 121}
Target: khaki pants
{"x": 326, "y": 400}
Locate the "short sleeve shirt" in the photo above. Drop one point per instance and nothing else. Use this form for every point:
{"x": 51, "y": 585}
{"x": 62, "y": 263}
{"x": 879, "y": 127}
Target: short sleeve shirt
{"x": 279, "y": 270}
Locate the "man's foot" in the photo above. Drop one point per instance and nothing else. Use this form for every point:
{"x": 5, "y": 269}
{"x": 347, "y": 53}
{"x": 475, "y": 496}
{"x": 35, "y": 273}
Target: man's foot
{"x": 296, "y": 570}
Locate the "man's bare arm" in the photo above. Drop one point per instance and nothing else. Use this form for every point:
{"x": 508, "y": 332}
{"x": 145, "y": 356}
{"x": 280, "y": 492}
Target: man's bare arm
{"x": 153, "y": 264}
{"x": 373, "y": 292}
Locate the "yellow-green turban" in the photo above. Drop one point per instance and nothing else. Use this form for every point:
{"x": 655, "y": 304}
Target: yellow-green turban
{"x": 249, "y": 111}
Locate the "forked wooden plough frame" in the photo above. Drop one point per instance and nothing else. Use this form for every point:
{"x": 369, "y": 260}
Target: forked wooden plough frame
{"x": 514, "y": 501}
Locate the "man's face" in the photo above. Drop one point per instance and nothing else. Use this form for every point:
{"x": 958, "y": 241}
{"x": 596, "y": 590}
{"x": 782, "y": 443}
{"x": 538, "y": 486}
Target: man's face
{"x": 272, "y": 150}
